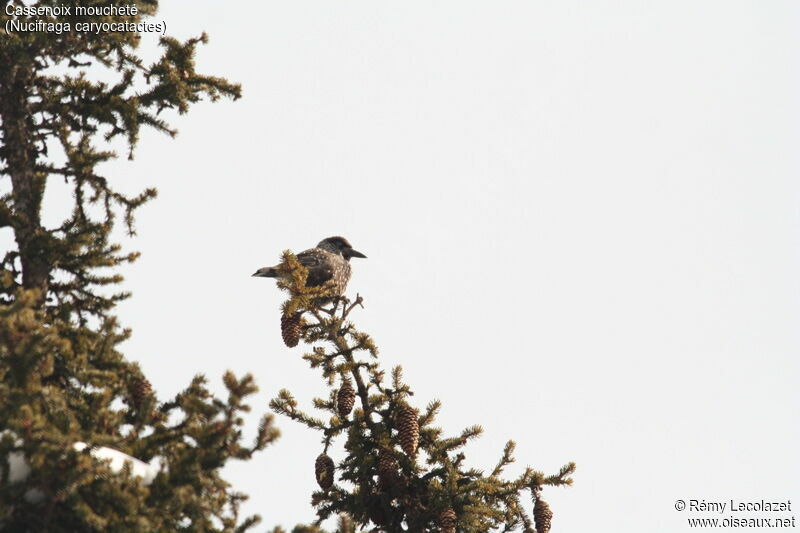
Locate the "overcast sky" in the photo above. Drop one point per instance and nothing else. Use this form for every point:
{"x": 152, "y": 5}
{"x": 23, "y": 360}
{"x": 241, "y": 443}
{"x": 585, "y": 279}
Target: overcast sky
{"x": 582, "y": 222}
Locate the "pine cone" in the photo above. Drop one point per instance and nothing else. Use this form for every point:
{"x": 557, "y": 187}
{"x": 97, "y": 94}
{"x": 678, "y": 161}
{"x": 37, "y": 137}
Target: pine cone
{"x": 408, "y": 429}
{"x": 290, "y": 329}
{"x": 323, "y": 469}
{"x": 139, "y": 390}
{"x": 542, "y": 515}
{"x": 346, "y": 398}
{"x": 447, "y": 521}
{"x": 387, "y": 469}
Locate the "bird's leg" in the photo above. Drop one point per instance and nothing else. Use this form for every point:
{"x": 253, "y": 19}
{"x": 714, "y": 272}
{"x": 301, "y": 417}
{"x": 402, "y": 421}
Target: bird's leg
{"x": 334, "y": 305}
{"x": 329, "y": 312}
{"x": 345, "y": 303}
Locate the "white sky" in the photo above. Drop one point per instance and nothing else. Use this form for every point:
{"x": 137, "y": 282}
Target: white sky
{"x": 582, "y": 222}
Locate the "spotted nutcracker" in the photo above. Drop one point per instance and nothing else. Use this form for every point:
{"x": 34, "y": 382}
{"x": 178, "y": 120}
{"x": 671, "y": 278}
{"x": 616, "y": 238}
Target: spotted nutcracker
{"x": 330, "y": 260}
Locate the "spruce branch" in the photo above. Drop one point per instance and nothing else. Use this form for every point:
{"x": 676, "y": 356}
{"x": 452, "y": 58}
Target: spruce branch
{"x": 65, "y": 99}
{"x": 384, "y": 483}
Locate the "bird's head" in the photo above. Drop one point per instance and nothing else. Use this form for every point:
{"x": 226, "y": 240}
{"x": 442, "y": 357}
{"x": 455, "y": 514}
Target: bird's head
{"x": 340, "y": 245}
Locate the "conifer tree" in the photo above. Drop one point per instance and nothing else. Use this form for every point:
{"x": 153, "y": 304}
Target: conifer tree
{"x": 399, "y": 473}
{"x": 68, "y": 397}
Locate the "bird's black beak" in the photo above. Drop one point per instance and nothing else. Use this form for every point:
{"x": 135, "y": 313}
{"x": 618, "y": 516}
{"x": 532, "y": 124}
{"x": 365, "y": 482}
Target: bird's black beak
{"x": 354, "y": 253}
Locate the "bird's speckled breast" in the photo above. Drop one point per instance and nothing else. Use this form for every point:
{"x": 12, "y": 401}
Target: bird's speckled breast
{"x": 340, "y": 270}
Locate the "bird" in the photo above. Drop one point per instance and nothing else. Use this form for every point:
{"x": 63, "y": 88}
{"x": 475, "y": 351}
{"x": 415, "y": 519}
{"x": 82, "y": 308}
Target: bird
{"x": 329, "y": 260}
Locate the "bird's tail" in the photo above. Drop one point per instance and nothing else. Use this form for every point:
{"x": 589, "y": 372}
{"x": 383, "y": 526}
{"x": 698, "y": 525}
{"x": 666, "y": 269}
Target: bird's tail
{"x": 266, "y": 272}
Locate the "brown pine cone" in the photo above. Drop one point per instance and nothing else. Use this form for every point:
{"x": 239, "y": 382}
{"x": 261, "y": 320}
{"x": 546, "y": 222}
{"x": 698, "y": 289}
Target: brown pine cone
{"x": 291, "y": 326}
{"x": 447, "y": 521}
{"x": 408, "y": 429}
{"x": 387, "y": 469}
{"x": 323, "y": 469}
{"x": 542, "y": 515}
{"x": 140, "y": 389}
{"x": 346, "y": 398}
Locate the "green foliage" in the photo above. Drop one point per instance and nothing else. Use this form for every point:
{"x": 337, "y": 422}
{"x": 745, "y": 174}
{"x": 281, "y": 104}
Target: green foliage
{"x": 345, "y": 525}
{"x": 56, "y": 392}
{"x": 52, "y": 109}
{"x": 64, "y": 99}
{"x": 407, "y": 491}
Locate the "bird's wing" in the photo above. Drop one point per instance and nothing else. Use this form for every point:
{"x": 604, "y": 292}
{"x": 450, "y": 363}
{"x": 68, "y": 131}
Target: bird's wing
{"x": 319, "y": 269}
